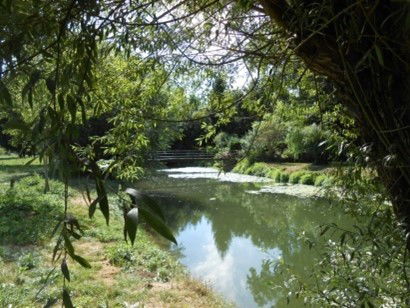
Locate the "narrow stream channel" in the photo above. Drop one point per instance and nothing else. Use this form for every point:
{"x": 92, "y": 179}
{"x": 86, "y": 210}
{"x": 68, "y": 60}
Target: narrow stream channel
{"x": 232, "y": 233}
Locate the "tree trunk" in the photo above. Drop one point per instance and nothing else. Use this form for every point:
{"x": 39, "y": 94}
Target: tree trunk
{"x": 363, "y": 47}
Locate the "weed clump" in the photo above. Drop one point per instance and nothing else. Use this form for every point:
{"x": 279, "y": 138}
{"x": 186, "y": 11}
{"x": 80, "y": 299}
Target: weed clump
{"x": 145, "y": 256}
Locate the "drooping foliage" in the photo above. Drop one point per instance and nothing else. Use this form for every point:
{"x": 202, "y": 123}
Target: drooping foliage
{"x": 49, "y": 81}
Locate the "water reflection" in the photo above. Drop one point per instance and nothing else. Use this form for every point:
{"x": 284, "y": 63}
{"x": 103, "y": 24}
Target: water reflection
{"x": 233, "y": 239}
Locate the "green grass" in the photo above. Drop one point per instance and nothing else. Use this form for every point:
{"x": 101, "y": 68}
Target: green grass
{"x": 119, "y": 274}
{"x": 14, "y": 167}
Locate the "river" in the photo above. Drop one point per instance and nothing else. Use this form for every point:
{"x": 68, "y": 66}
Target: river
{"x": 233, "y": 231}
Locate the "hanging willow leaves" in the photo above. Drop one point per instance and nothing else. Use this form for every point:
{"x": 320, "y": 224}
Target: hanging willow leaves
{"x": 5, "y": 97}
{"x": 80, "y": 260}
{"x": 131, "y": 224}
{"x": 157, "y": 224}
{"x": 92, "y": 207}
{"x": 67, "y": 299}
{"x": 103, "y": 199}
{"x": 139, "y": 198}
{"x": 64, "y": 270}
{"x": 67, "y": 243}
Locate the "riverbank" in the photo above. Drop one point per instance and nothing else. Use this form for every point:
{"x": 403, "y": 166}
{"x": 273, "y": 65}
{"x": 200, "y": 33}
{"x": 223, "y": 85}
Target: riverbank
{"x": 292, "y": 173}
{"x": 120, "y": 275}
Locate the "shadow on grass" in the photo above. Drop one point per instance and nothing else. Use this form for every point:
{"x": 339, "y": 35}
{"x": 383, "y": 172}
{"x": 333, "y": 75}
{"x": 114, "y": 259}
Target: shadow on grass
{"x": 27, "y": 216}
{"x": 16, "y": 172}
{"x": 318, "y": 167}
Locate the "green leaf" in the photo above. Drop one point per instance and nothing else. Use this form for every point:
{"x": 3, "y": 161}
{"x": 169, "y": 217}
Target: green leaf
{"x": 15, "y": 123}
{"x": 56, "y": 248}
{"x": 66, "y": 299}
{"x": 157, "y": 224}
{"x": 30, "y": 161}
{"x": 56, "y": 227}
{"x": 72, "y": 107}
{"x": 103, "y": 200}
{"x": 324, "y": 230}
{"x": 379, "y": 55}
{"x": 67, "y": 244}
{"x": 51, "y": 85}
{"x": 83, "y": 111}
{"x": 153, "y": 205}
{"x": 60, "y": 100}
{"x": 50, "y": 303}
{"x": 134, "y": 195}
{"x": 29, "y": 87}
{"x": 5, "y": 96}
{"x": 64, "y": 270}
{"x": 80, "y": 260}
{"x": 138, "y": 198}
{"x": 131, "y": 224}
{"x": 92, "y": 207}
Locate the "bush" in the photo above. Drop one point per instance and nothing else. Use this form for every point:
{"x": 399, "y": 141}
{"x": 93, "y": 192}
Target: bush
{"x": 302, "y": 143}
{"x": 284, "y": 177}
{"x": 227, "y": 142}
{"x": 242, "y": 166}
{"x": 320, "y": 180}
{"x": 274, "y": 174}
{"x": 329, "y": 181}
{"x": 294, "y": 178}
{"x": 259, "y": 169}
{"x": 266, "y": 139}
{"x": 307, "y": 179}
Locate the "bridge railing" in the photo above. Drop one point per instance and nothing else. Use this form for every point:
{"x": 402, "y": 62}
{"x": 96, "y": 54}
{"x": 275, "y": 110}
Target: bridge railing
{"x": 174, "y": 155}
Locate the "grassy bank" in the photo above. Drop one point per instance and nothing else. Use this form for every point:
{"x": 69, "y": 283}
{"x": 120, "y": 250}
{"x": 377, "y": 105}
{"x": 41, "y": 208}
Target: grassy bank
{"x": 121, "y": 276}
{"x": 292, "y": 173}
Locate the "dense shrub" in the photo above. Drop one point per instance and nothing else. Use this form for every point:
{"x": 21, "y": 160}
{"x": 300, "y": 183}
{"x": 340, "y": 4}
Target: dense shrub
{"x": 307, "y": 179}
{"x": 303, "y": 143}
{"x": 265, "y": 141}
{"x": 274, "y": 174}
{"x": 259, "y": 169}
{"x": 294, "y": 177}
{"x": 242, "y": 166}
{"x": 227, "y": 141}
{"x": 284, "y": 177}
{"x": 320, "y": 180}
{"x": 329, "y": 181}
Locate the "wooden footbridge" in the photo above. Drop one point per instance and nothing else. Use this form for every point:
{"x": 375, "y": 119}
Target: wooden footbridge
{"x": 181, "y": 155}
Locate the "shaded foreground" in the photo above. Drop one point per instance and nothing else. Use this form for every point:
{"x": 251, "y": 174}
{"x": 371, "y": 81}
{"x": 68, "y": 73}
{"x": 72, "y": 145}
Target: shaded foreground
{"x": 121, "y": 276}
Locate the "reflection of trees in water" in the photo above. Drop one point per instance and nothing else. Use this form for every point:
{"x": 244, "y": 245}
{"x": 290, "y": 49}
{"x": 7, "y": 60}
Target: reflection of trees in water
{"x": 269, "y": 221}
{"x": 262, "y": 285}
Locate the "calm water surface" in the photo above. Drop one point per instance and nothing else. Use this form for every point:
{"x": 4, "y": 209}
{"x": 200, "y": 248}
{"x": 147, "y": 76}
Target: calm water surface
{"x": 233, "y": 237}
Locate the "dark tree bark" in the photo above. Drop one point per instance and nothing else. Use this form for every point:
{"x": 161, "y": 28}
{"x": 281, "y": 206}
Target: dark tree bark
{"x": 363, "y": 47}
